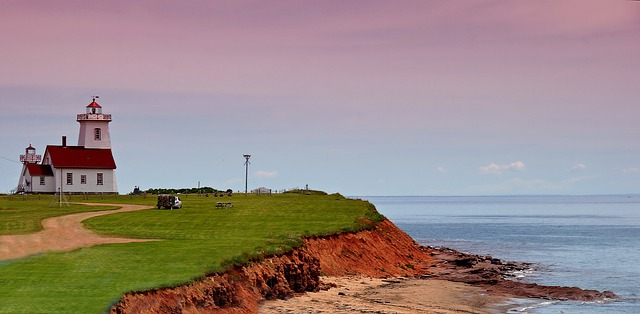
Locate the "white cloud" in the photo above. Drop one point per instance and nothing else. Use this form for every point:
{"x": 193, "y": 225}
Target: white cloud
{"x": 441, "y": 169}
{"x": 494, "y": 168}
{"x": 266, "y": 174}
{"x": 578, "y": 167}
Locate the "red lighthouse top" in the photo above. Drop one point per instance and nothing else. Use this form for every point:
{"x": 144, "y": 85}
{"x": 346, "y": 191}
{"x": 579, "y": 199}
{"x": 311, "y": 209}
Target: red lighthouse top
{"x": 30, "y": 149}
{"x": 94, "y": 104}
{"x": 30, "y": 156}
{"x": 94, "y": 107}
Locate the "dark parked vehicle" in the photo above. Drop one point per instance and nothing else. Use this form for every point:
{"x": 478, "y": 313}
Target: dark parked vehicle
{"x": 169, "y": 202}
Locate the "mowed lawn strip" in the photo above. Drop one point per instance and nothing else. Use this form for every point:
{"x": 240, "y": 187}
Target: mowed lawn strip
{"x": 195, "y": 240}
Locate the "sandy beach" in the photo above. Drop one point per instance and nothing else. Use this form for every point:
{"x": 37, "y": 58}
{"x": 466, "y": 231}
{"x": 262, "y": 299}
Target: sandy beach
{"x": 361, "y": 294}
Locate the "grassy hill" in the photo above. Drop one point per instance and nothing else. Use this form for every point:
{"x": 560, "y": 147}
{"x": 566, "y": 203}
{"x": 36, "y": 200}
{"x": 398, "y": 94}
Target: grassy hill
{"x": 193, "y": 241}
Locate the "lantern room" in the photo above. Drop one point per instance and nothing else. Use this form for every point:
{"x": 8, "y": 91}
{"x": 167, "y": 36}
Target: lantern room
{"x": 94, "y": 107}
{"x": 30, "y": 156}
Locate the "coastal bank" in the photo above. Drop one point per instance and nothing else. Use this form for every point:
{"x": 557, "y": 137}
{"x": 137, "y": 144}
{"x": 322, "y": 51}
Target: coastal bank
{"x": 383, "y": 251}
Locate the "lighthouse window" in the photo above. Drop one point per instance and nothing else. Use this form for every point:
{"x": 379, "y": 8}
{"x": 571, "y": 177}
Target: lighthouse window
{"x": 83, "y": 179}
{"x": 42, "y": 180}
{"x": 97, "y": 134}
{"x": 100, "y": 178}
{"x": 69, "y": 178}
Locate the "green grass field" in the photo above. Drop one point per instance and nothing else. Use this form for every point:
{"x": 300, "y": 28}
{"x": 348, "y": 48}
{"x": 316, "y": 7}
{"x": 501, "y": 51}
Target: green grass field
{"x": 195, "y": 240}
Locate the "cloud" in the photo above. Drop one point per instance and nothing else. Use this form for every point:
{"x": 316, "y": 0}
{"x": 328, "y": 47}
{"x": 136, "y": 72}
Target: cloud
{"x": 631, "y": 170}
{"x": 494, "y": 168}
{"x": 441, "y": 169}
{"x": 578, "y": 167}
{"x": 266, "y": 174}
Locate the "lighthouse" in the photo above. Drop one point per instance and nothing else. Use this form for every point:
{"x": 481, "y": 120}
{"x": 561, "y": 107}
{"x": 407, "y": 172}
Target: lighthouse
{"x": 94, "y": 127}
{"x": 88, "y": 167}
{"x": 31, "y": 171}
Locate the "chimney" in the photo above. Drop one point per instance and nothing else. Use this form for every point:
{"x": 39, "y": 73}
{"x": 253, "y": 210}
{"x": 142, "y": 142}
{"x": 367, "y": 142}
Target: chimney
{"x": 64, "y": 141}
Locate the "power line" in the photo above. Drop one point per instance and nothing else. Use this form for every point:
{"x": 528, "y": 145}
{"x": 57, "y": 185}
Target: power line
{"x": 11, "y": 160}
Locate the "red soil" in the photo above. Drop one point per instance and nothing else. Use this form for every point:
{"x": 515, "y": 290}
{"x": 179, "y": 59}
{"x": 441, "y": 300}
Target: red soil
{"x": 385, "y": 251}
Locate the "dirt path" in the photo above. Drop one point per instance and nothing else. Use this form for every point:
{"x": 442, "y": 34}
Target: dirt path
{"x": 63, "y": 233}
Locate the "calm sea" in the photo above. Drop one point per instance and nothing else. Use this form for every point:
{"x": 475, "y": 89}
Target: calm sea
{"x": 592, "y": 242}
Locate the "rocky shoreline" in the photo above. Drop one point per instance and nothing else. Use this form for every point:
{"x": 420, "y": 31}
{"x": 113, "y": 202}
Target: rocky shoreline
{"x": 383, "y": 252}
{"x": 499, "y": 277}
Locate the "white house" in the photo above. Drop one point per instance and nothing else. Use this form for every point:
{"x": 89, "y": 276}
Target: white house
{"x": 88, "y": 167}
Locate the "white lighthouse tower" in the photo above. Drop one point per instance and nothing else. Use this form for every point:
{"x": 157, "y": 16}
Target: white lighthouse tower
{"x": 94, "y": 127}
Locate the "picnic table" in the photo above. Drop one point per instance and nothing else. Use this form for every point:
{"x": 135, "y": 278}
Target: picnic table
{"x": 224, "y": 205}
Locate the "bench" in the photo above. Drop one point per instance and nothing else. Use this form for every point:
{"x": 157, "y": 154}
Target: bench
{"x": 224, "y": 205}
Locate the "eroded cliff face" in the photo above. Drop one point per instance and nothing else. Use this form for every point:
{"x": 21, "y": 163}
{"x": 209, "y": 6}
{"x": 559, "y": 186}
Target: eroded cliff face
{"x": 383, "y": 252}
{"x": 236, "y": 291}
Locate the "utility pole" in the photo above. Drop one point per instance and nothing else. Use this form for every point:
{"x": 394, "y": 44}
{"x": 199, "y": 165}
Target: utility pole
{"x": 246, "y": 171}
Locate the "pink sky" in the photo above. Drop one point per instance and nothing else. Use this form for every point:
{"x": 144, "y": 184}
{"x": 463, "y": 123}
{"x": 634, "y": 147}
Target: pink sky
{"x": 209, "y": 46}
{"x": 503, "y": 81}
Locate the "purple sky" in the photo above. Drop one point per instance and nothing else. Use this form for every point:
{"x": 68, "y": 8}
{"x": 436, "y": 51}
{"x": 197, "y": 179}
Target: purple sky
{"x": 357, "y": 97}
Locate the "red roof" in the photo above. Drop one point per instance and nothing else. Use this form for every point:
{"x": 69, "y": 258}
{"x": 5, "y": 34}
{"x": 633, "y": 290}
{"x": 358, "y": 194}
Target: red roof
{"x": 80, "y": 157}
{"x": 93, "y": 104}
{"x": 36, "y": 170}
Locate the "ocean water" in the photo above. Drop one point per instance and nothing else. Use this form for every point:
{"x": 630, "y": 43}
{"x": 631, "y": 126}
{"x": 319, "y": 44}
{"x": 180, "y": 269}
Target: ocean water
{"x": 592, "y": 242}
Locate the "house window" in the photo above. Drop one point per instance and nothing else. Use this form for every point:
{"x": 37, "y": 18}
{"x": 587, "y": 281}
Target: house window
{"x": 42, "y": 180}
{"x": 97, "y": 134}
{"x": 69, "y": 178}
{"x": 83, "y": 179}
{"x": 100, "y": 178}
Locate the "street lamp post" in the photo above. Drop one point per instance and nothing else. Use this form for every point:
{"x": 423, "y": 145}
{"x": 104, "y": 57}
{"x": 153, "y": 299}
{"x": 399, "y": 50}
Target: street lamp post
{"x": 246, "y": 171}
